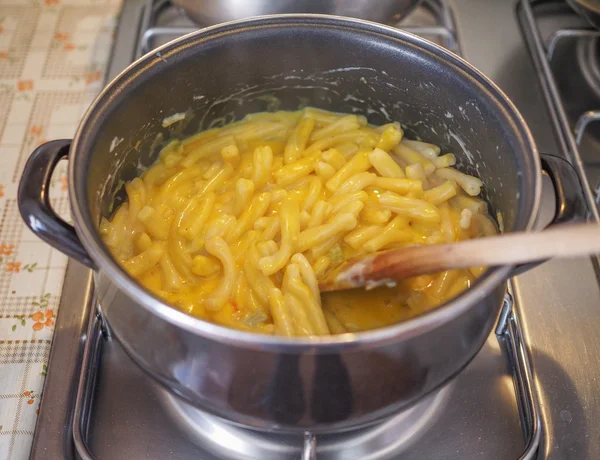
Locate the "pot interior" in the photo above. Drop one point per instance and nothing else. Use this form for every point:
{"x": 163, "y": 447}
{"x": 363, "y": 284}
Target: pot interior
{"x": 219, "y": 75}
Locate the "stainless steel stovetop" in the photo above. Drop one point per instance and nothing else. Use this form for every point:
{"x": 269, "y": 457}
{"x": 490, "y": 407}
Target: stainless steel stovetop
{"x": 532, "y": 391}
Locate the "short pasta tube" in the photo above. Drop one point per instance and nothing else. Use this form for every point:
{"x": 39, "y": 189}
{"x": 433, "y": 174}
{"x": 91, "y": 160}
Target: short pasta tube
{"x": 411, "y": 156}
{"x": 298, "y": 140}
{"x": 193, "y": 223}
{"x": 290, "y": 229}
{"x": 392, "y": 233}
{"x": 334, "y": 157}
{"x": 412, "y": 208}
{"x": 357, "y": 164}
{"x": 429, "y": 151}
{"x": 359, "y": 236}
{"x": 318, "y": 235}
{"x": 470, "y": 184}
{"x": 293, "y": 172}
{"x": 144, "y": 261}
{"x": 342, "y": 124}
{"x": 218, "y": 248}
{"x": 400, "y": 186}
{"x": 281, "y": 314}
{"x": 356, "y": 183}
{"x": 244, "y": 189}
{"x": 441, "y": 193}
{"x": 384, "y": 164}
{"x": 390, "y": 137}
{"x": 263, "y": 161}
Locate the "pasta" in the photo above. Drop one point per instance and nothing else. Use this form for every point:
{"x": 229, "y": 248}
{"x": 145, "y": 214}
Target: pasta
{"x": 236, "y": 225}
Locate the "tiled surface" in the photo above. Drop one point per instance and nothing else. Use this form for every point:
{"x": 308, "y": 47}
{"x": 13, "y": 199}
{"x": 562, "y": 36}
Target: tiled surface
{"x": 53, "y": 54}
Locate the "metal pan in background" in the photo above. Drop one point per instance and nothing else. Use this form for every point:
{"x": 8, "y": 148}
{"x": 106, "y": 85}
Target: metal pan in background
{"x": 209, "y": 12}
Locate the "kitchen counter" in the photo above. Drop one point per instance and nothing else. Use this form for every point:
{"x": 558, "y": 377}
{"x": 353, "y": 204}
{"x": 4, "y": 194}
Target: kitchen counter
{"x": 53, "y": 58}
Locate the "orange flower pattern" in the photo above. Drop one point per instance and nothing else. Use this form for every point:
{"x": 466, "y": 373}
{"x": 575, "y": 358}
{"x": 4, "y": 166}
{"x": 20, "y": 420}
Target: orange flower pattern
{"x": 31, "y": 396}
{"x": 91, "y": 77}
{"x": 13, "y": 267}
{"x": 36, "y": 130}
{"x": 25, "y": 85}
{"x": 24, "y": 320}
{"x": 42, "y": 319}
{"x": 6, "y": 249}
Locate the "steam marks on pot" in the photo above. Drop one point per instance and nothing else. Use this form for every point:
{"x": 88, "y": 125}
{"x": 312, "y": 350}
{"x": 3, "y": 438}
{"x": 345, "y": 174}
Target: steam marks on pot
{"x": 115, "y": 143}
{"x": 296, "y": 89}
{"x": 467, "y": 153}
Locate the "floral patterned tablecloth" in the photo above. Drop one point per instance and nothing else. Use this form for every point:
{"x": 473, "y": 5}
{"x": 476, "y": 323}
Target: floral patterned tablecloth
{"x": 53, "y": 55}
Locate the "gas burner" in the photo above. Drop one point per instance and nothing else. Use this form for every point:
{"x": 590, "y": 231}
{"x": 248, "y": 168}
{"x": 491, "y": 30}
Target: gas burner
{"x": 120, "y": 413}
{"x": 588, "y": 59}
{"x": 235, "y": 442}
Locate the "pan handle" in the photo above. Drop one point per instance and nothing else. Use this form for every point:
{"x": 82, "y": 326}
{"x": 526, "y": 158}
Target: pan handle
{"x": 34, "y": 202}
{"x": 570, "y": 204}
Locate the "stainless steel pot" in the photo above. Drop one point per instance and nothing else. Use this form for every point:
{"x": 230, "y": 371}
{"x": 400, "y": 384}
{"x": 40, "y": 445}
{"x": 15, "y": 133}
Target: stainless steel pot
{"x": 283, "y": 62}
{"x": 209, "y": 12}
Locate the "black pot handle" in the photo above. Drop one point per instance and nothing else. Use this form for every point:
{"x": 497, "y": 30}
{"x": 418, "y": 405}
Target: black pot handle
{"x": 34, "y": 202}
{"x": 570, "y": 203}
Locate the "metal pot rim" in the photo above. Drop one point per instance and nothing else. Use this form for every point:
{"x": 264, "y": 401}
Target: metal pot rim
{"x": 88, "y": 233}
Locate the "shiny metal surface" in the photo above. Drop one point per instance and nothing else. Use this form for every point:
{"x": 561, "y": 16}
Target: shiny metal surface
{"x": 309, "y": 451}
{"x": 389, "y": 438}
{"x": 557, "y": 304}
{"x": 554, "y": 19}
{"x": 160, "y": 23}
{"x": 87, "y": 385}
{"x": 124, "y": 414}
{"x": 54, "y": 425}
{"x": 208, "y": 12}
{"x": 566, "y": 376}
{"x": 322, "y": 384}
{"x": 511, "y": 339}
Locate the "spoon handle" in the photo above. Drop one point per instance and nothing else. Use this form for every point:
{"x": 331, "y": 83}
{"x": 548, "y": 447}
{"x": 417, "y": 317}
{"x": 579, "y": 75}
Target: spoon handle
{"x": 563, "y": 241}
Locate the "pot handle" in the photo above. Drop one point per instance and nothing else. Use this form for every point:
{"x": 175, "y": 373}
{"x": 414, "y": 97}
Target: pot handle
{"x": 34, "y": 202}
{"x": 570, "y": 204}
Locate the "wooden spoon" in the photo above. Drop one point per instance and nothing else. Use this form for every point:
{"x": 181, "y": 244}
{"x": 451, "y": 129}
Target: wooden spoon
{"x": 387, "y": 267}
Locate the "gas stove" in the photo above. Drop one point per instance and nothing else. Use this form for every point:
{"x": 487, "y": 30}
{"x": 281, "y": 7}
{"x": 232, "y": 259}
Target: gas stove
{"x": 531, "y": 392}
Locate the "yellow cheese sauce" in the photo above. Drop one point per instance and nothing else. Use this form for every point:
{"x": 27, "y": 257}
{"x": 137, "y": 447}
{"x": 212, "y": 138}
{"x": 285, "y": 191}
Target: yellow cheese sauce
{"x": 236, "y": 225}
